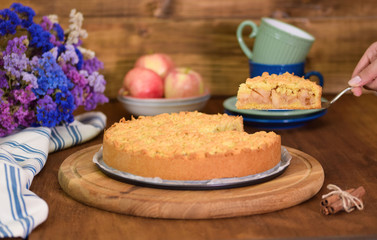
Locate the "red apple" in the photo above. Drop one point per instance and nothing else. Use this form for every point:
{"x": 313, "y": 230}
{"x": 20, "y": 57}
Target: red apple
{"x": 158, "y": 62}
{"x": 143, "y": 83}
{"x": 183, "y": 82}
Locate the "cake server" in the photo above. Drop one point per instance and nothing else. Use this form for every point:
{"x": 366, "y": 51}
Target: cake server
{"x": 328, "y": 103}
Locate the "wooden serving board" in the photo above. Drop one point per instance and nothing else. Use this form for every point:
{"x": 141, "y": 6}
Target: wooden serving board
{"x": 83, "y": 181}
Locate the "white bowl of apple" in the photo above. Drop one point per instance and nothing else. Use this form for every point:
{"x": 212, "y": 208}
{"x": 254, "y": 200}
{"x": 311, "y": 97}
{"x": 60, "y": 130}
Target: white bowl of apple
{"x": 155, "y": 106}
{"x": 156, "y": 86}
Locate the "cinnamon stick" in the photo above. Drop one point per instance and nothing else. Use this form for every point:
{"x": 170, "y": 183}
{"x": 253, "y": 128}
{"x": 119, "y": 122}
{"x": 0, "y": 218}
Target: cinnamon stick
{"x": 333, "y": 198}
{"x": 338, "y": 205}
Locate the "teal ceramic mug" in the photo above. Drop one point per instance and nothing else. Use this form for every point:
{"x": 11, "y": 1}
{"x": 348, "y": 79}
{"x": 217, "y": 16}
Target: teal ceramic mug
{"x": 276, "y": 42}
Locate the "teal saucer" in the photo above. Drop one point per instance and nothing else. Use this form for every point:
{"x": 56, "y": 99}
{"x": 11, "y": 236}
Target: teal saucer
{"x": 230, "y": 105}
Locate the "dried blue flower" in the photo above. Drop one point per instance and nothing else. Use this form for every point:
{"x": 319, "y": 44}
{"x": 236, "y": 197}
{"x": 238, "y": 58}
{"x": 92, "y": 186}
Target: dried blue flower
{"x": 49, "y": 74}
{"x": 26, "y": 14}
{"x": 46, "y": 111}
{"x": 9, "y": 21}
{"x": 40, "y": 39}
{"x": 81, "y": 59}
{"x": 59, "y": 31}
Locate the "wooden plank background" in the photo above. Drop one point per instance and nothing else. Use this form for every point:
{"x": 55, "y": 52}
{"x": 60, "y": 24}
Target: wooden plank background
{"x": 201, "y": 34}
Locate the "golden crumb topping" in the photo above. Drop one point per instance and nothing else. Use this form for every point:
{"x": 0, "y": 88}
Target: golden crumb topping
{"x": 285, "y": 83}
{"x": 184, "y": 133}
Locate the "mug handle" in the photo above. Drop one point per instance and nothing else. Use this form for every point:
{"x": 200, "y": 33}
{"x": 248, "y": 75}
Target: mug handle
{"x": 253, "y": 33}
{"x": 317, "y": 74}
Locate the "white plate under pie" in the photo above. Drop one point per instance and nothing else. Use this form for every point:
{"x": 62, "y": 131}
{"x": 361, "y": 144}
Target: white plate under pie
{"x": 211, "y": 184}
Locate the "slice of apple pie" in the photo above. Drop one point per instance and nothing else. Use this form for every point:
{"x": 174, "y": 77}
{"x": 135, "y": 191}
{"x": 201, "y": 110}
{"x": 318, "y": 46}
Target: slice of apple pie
{"x": 285, "y": 91}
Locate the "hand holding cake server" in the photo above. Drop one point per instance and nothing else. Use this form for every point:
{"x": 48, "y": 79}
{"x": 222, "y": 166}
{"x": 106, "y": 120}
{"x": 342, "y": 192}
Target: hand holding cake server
{"x": 365, "y": 72}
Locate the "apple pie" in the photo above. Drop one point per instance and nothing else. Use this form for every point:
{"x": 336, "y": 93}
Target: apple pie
{"x": 285, "y": 91}
{"x": 189, "y": 146}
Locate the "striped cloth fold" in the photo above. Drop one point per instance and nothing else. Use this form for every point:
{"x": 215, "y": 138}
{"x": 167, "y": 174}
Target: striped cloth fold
{"x": 22, "y": 156}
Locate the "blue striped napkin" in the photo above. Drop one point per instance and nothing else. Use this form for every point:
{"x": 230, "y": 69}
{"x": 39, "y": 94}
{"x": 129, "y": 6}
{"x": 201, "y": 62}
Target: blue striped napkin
{"x": 22, "y": 156}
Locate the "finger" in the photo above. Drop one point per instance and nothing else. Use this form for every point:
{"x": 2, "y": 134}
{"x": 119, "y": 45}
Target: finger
{"x": 368, "y": 57}
{"x": 368, "y": 74}
{"x": 372, "y": 85}
{"x": 355, "y": 81}
{"x": 357, "y": 91}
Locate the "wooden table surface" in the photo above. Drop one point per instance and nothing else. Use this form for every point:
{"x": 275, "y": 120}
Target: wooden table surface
{"x": 344, "y": 141}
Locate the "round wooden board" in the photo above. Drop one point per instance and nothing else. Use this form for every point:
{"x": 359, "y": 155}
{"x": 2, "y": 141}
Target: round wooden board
{"x": 82, "y": 180}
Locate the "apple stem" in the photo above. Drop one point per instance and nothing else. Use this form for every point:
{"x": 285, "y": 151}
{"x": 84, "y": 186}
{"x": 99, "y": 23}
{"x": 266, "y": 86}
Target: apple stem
{"x": 187, "y": 70}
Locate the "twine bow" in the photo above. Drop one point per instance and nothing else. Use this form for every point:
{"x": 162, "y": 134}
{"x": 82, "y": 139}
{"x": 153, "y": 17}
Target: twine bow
{"x": 348, "y": 199}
